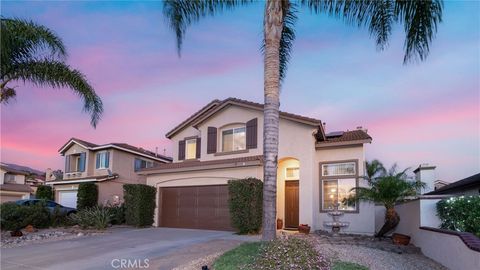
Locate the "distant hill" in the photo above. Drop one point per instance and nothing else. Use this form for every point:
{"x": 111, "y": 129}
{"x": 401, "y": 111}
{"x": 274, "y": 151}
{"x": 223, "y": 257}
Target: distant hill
{"x": 22, "y": 168}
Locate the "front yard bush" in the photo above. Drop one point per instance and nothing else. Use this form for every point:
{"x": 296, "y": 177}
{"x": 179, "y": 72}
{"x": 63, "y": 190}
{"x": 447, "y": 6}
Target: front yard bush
{"x": 44, "y": 193}
{"x": 15, "y": 217}
{"x": 460, "y": 214}
{"x": 245, "y": 203}
{"x": 118, "y": 214}
{"x": 139, "y": 204}
{"x": 94, "y": 217}
{"x": 87, "y": 195}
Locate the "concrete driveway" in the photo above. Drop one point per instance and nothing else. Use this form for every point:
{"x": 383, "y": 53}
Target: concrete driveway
{"x": 122, "y": 248}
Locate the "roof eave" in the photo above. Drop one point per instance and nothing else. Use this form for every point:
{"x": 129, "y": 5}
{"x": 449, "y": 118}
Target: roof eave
{"x": 323, "y": 145}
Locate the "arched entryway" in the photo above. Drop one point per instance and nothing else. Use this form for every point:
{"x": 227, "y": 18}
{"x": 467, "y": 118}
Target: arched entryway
{"x": 288, "y": 184}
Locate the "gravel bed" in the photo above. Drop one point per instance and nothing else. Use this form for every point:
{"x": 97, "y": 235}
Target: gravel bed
{"x": 44, "y": 235}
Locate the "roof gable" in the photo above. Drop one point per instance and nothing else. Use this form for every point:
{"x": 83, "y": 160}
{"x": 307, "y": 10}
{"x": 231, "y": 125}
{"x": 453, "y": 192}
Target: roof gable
{"x": 215, "y": 106}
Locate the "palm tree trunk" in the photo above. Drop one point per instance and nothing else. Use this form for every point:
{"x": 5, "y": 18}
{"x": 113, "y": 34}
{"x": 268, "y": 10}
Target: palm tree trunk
{"x": 391, "y": 221}
{"x": 273, "y": 25}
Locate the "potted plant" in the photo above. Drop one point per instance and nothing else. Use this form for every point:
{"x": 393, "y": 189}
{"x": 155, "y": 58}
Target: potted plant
{"x": 279, "y": 224}
{"x": 304, "y": 228}
{"x": 387, "y": 188}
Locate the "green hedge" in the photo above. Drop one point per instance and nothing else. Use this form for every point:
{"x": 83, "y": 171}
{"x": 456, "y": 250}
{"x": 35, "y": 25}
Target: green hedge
{"x": 44, "y": 192}
{"x": 139, "y": 204}
{"x": 460, "y": 214}
{"x": 87, "y": 195}
{"x": 15, "y": 217}
{"x": 246, "y": 204}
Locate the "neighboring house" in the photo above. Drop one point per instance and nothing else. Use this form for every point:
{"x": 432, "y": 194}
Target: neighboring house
{"x": 466, "y": 186}
{"x": 12, "y": 183}
{"x": 224, "y": 141}
{"x": 108, "y": 165}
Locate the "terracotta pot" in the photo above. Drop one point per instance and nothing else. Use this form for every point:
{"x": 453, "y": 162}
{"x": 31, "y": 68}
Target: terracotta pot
{"x": 279, "y": 224}
{"x": 30, "y": 229}
{"x": 17, "y": 233}
{"x": 400, "y": 239}
{"x": 304, "y": 228}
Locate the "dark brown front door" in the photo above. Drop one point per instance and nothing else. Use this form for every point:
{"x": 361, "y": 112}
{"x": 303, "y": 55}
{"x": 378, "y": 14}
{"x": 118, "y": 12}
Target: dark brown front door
{"x": 199, "y": 207}
{"x": 291, "y": 204}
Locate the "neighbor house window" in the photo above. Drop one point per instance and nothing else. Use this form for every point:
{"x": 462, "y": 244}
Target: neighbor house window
{"x": 338, "y": 181}
{"x": 292, "y": 173}
{"x": 234, "y": 139}
{"x": 9, "y": 178}
{"x": 338, "y": 169}
{"x": 103, "y": 160}
{"x": 191, "y": 149}
{"x": 142, "y": 164}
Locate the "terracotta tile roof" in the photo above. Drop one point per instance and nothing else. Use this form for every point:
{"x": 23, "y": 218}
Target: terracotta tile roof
{"x": 218, "y": 104}
{"x": 140, "y": 150}
{"x": 353, "y": 135}
{"x": 197, "y": 163}
{"x": 16, "y": 187}
{"x": 469, "y": 182}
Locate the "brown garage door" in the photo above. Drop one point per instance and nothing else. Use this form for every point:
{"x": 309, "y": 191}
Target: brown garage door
{"x": 199, "y": 207}
{"x": 10, "y": 198}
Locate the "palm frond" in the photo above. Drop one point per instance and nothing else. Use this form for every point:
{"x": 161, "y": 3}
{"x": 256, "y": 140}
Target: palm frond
{"x": 288, "y": 37}
{"x": 57, "y": 74}
{"x": 7, "y": 94}
{"x": 374, "y": 169}
{"x": 420, "y": 19}
{"x": 182, "y": 13}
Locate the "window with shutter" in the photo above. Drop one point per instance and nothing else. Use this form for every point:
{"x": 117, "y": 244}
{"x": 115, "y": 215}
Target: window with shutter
{"x": 252, "y": 130}
{"x": 198, "y": 145}
{"x": 181, "y": 150}
{"x": 212, "y": 140}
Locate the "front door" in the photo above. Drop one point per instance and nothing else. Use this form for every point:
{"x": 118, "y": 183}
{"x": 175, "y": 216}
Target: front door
{"x": 291, "y": 204}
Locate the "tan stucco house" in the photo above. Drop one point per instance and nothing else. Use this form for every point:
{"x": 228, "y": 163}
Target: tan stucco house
{"x": 223, "y": 141}
{"x": 109, "y": 166}
{"x": 13, "y": 184}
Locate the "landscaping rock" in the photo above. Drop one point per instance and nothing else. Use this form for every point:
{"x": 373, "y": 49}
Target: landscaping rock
{"x": 44, "y": 235}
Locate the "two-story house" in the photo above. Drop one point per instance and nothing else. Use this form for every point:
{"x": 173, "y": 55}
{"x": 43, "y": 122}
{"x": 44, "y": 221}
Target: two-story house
{"x": 224, "y": 141}
{"x": 13, "y": 183}
{"x": 109, "y": 166}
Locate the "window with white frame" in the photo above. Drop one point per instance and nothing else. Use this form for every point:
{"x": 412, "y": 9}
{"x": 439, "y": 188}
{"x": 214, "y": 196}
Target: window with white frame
{"x": 102, "y": 160}
{"x": 142, "y": 164}
{"x": 338, "y": 169}
{"x": 234, "y": 139}
{"x": 191, "y": 149}
{"x": 292, "y": 173}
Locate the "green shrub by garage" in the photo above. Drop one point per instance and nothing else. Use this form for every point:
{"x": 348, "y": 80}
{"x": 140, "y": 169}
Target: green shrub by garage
{"x": 460, "y": 214}
{"x": 246, "y": 204}
{"x": 139, "y": 204}
{"x": 15, "y": 217}
{"x": 87, "y": 195}
{"x": 44, "y": 193}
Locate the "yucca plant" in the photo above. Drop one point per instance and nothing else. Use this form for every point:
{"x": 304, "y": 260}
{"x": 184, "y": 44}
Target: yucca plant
{"x": 387, "y": 188}
{"x": 97, "y": 217}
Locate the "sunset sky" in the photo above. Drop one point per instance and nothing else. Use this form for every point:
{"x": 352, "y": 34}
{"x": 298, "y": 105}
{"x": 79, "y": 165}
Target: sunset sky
{"x": 419, "y": 113}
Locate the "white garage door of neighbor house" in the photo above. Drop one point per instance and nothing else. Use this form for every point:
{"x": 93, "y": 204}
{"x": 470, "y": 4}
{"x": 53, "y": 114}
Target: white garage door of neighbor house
{"x": 68, "y": 198}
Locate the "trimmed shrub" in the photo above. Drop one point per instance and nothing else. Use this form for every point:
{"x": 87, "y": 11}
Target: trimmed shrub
{"x": 59, "y": 219}
{"x": 246, "y": 204}
{"x": 44, "y": 193}
{"x": 97, "y": 217}
{"x": 139, "y": 204}
{"x": 15, "y": 217}
{"x": 460, "y": 214}
{"x": 118, "y": 214}
{"x": 87, "y": 195}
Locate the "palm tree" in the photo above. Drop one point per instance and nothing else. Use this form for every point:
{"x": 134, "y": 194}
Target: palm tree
{"x": 31, "y": 52}
{"x": 419, "y": 18}
{"x": 388, "y": 188}
{"x": 374, "y": 169}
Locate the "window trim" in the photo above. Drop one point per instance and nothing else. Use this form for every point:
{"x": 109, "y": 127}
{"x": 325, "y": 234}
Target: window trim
{"x": 96, "y": 156}
{"x": 142, "y": 159}
{"x": 337, "y": 177}
{"x": 237, "y": 126}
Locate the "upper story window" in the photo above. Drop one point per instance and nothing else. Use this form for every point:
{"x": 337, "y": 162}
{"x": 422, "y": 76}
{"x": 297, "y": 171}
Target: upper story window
{"x": 102, "y": 160}
{"x": 338, "y": 169}
{"x": 75, "y": 162}
{"x": 191, "y": 148}
{"x": 142, "y": 164}
{"x": 9, "y": 178}
{"x": 234, "y": 139}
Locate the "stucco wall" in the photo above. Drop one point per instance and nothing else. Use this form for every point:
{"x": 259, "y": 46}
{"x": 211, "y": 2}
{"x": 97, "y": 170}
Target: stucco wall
{"x": 362, "y": 222}
{"x": 449, "y": 250}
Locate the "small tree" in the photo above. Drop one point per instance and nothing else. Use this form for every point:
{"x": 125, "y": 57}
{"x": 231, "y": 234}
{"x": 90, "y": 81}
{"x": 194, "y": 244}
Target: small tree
{"x": 387, "y": 188}
{"x": 87, "y": 195}
{"x": 44, "y": 193}
{"x": 139, "y": 204}
{"x": 246, "y": 204}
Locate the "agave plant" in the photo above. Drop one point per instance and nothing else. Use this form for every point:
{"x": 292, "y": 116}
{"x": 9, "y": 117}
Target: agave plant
{"x": 387, "y": 188}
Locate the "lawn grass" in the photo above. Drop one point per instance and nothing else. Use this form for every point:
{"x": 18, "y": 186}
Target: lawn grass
{"x": 237, "y": 257}
{"x": 339, "y": 265}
